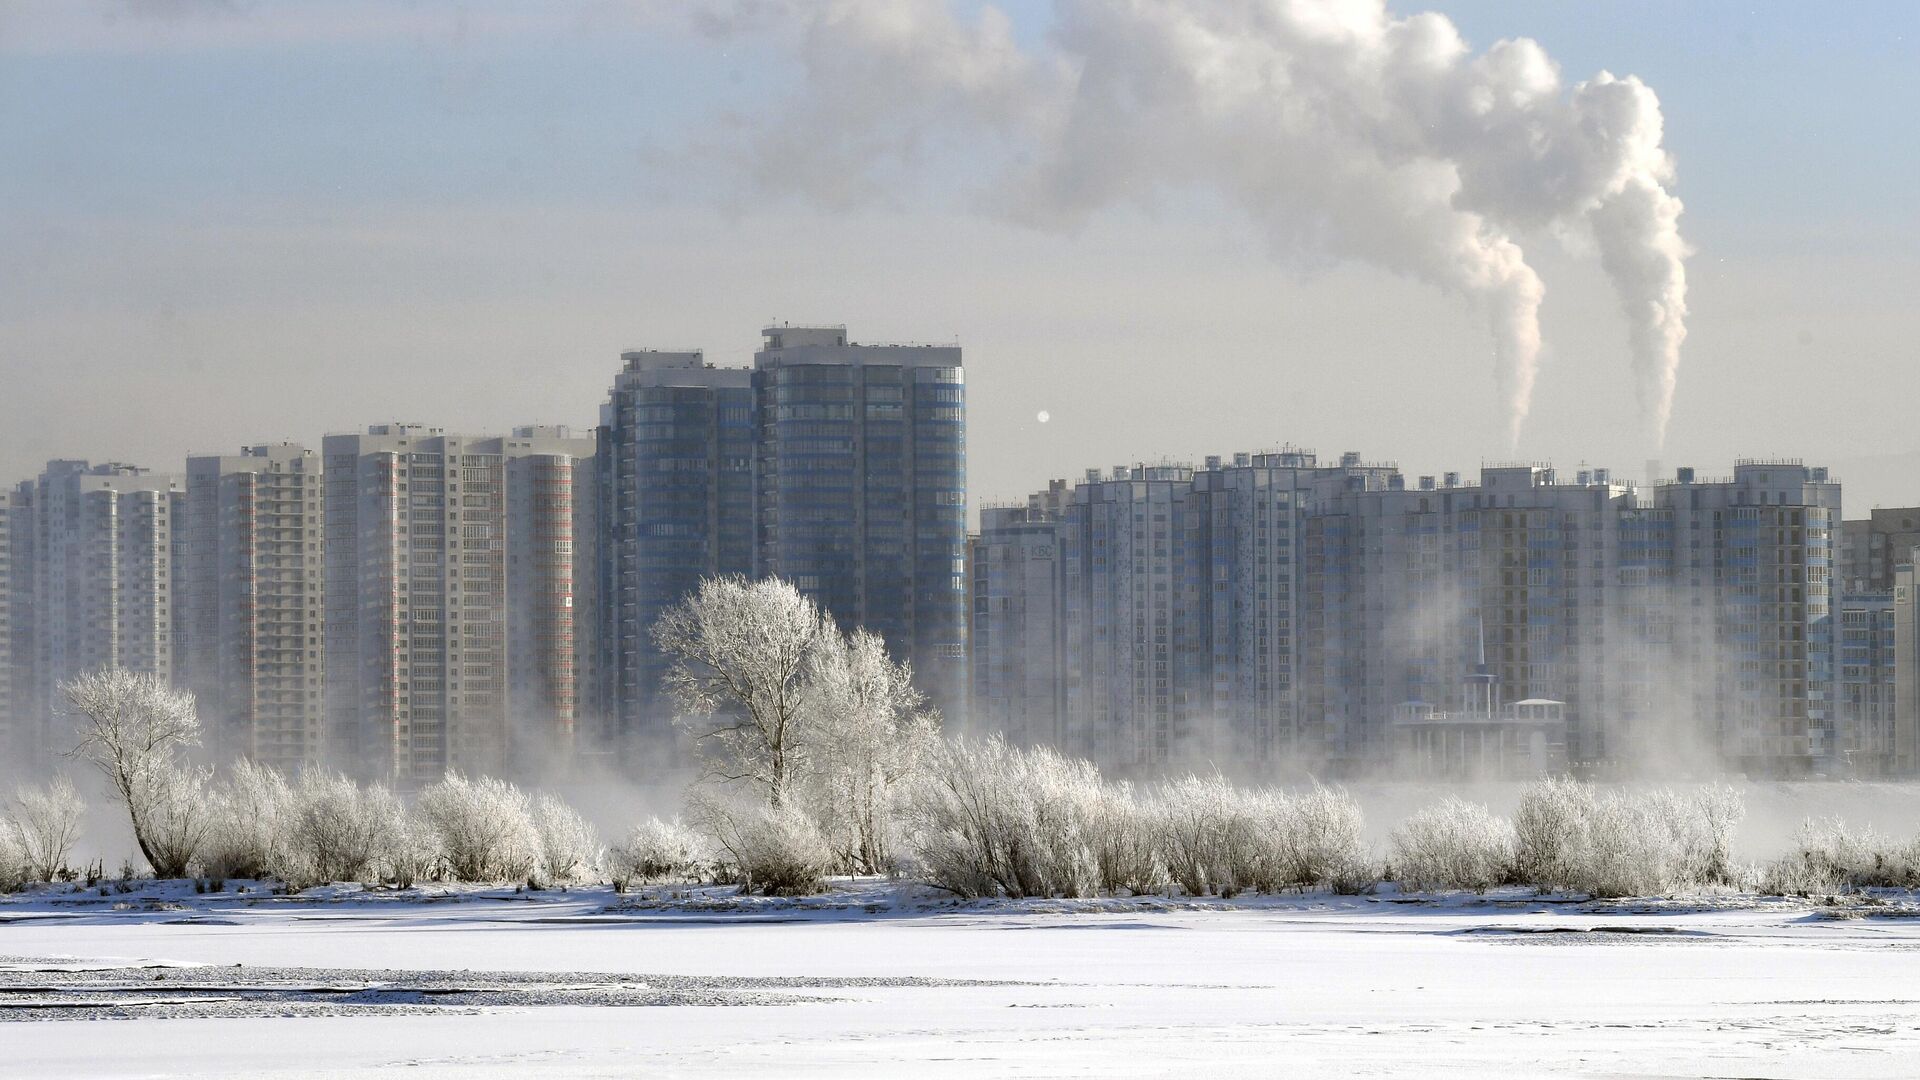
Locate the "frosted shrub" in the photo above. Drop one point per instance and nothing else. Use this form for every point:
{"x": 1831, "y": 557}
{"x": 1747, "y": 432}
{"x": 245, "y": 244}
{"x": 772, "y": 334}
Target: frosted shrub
{"x": 1828, "y": 857}
{"x": 569, "y": 846}
{"x": 13, "y": 860}
{"x": 775, "y": 850}
{"x": 1206, "y": 833}
{"x": 1701, "y": 824}
{"x": 248, "y": 837}
{"x": 338, "y": 831}
{"x": 485, "y": 828}
{"x": 1453, "y": 845}
{"x": 412, "y": 851}
{"x": 654, "y": 850}
{"x": 1312, "y": 840}
{"x": 1607, "y": 843}
{"x": 1121, "y": 831}
{"x": 1550, "y": 831}
{"x": 47, "y": 822}
{"x": 990, "y": 819}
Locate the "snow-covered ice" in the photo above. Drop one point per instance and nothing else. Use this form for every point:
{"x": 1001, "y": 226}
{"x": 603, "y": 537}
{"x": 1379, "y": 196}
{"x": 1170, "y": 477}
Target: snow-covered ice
{"x": 878, "y": 981}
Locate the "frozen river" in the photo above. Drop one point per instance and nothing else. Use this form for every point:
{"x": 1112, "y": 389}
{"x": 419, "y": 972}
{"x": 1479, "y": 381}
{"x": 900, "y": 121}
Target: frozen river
{"x": 554, "y": 988}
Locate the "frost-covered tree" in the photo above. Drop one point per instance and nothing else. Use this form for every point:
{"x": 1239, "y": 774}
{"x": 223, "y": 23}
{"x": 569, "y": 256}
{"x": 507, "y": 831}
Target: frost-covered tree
{"x": 871, "y": 729}
{"x": 178, "y": 819}
{"x": 569, "y": 846}
{"x": 738, "y": 662}
{"x": 47, "y": 821}
{"x": 134, "y": 728}
{"x": 485, "y": 828}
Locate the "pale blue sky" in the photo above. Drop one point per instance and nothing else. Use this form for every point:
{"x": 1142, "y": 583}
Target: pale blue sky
{"x": 229, "y": 222}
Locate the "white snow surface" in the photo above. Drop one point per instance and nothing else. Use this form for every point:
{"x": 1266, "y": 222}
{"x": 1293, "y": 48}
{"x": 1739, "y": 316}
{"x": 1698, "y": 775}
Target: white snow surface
{"x": 1508, "y": 985}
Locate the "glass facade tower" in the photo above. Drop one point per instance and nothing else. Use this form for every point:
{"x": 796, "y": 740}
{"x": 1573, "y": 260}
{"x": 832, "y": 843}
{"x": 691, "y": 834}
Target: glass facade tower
{"x": 861, "y": 491}
{"x": 676, "y": 443}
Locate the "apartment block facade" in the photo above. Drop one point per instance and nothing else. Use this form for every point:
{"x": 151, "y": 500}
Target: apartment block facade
{"x": 94, "y": 561}
{"x": 1866, "y": 669}
{"x": 1906, "y": 661}
{"x": 254, "y": 592}
{"x": 675, "y": 474}
{"x": 1277, "y": 610}
{"x": 1016, "y": 632}
{"x": 835, "y": 465}
{"x": 423, "y": 662}
{"x": 860, "y": 490}
{"x": 14, "y": 617}
{"x": 1872, "y": 548}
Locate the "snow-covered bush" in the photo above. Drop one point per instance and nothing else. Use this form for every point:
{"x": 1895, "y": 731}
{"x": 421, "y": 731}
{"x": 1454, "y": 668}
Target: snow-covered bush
{"x": 251, "y": 806}
{"x": 990, "y": 819}
{"x": 1121, "y": 830}
{"x": 1701, "y": 824}
{"x": 654, "y": 850}
{"x": 412, "y": 853}
{"x": 339, "y": 831}
{"x": 1550, "y": 826}
{"x": 775, "y": 850}
{"x": 1829, "y": 857}
{"x": 46, "y": 821}
{"x": 1311, "y": 840}
{"x": 1452, "y": 845}
{"x": 1206, "y": 829}
{"x": 485, "y": 828}
{"x": 13, "y": 861}
{"x": 1575, "y": 837}
{"x": 569, "y": 846}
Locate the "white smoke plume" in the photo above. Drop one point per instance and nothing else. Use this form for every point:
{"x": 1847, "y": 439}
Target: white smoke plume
{"x": 1341, "y": 130}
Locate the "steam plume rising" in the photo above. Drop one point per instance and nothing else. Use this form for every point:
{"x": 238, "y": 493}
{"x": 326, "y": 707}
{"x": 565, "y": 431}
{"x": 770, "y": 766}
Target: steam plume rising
{"x": 1339, "y": 129}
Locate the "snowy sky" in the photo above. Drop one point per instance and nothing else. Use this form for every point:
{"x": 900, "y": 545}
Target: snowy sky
{"x": 225, "y": 222}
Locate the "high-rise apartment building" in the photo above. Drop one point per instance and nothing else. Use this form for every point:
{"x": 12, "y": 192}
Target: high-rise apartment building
{"x": 1150, "y": 616}
{"x": 1871, "y": 548}
{"x": 1905, "y": 737}
{"x": 553, "y": 601}
{"x": 861, "y": 490}
{"x": 1246, "y": 537}
{"x": 254, "y": 595}
{"x": 434, "y": 660}
{"x": 1129, "y": 612}
{"x": 675, "y": 461}
{"x": 1277, "y": 610}
{"x": 1016, "y": 638}
{"x": 1866, "y": 670}
{"x": 1753, "y": 560}
{"x": 99, "y": 561}
{"x": 1405, "y": 584}
{"x": 14, "y": 521}
{"x": 837, "y": 466}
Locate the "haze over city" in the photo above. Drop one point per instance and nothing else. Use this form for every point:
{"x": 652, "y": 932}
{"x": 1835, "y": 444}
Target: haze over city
{"x": 230, "y": 222}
